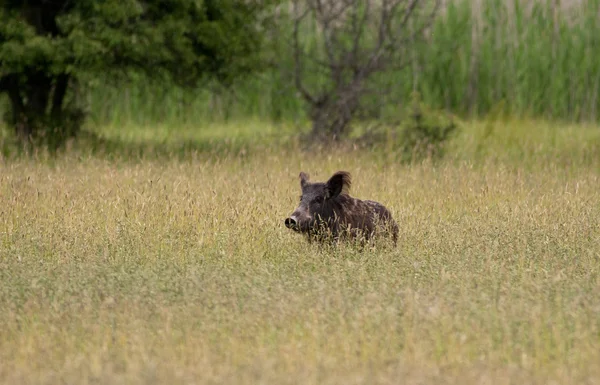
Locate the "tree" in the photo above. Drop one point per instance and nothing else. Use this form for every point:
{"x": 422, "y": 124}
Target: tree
{"x": 356, "y": 40}
{"x": 47, "y": 45}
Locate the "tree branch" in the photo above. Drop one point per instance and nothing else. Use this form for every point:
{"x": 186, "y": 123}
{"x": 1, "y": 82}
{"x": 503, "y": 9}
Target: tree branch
{"x": 328, "y": 36}
{"x": 297, "y": 60}
{"x": 359, "y": 38}
{"x": 358, "y": 28}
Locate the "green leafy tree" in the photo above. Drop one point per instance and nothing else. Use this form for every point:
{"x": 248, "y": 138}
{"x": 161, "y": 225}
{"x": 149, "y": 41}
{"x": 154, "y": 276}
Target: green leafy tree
{"x": 46, "y": 46}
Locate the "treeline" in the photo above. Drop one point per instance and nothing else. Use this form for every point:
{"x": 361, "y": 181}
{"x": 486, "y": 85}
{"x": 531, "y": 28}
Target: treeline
{"x": 525, "y": 58}
{"x": 325, "y": 61}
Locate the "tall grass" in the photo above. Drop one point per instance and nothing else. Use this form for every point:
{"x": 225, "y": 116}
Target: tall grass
{"x": 535, "y": 59}
{"x": 164, "y": 271}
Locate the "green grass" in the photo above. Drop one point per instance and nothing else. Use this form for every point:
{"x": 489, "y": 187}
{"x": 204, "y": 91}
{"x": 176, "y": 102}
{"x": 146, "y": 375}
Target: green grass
{"x": 178, "y": 269}
{"x": 528, "y": 59}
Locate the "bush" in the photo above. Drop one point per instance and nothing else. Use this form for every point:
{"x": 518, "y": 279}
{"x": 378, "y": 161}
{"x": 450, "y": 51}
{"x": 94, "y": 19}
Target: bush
{"x": 418, "y": 132}
{"x": 424, "y": 133}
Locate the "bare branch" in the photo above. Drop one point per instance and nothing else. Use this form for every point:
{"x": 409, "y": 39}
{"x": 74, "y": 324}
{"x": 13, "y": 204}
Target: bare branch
{"x": 407, "y": 38}
{"x": 424, "y": 25}
{"x": 327, "y": 36}
{"x": 297, "y": 60}
{"x": 329, "y": 17}
{"x": 413, "y": 4}
{"x": 358, "y": 28}
{"x": 357, "y": 39}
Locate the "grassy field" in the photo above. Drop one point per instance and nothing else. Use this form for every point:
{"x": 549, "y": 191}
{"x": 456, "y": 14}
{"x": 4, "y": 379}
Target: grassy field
{"x": 179, "y": 269}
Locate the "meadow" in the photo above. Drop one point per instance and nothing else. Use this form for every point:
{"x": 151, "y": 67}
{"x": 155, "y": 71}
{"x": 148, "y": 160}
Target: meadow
{"x": 153, "y": 250}
{"x": 175, "y": 266}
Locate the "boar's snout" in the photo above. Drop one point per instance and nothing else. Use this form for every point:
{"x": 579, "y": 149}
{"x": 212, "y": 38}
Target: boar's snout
{"x": 298, "y": 221}
{"x": 292, "y": 223}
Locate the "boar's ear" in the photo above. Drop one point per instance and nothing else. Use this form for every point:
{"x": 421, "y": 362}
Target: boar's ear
{"x": 303, "y": 178}
{"x": 339, "y": 183}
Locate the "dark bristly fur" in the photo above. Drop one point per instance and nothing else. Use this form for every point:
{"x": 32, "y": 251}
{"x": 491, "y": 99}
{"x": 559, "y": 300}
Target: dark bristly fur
{"x": 327, "y": 211}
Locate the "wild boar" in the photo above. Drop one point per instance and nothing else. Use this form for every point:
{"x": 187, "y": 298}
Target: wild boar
{"x": 327, "y": 212}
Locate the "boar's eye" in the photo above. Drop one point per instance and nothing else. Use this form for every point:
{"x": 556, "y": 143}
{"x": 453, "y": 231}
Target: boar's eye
{"x": 301, "y": 198}
{"x": 318, "y": 199}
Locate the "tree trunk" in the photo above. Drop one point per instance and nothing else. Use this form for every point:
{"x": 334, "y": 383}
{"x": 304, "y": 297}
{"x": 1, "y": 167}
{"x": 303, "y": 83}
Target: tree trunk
{"x": 324, "y": 124}
{"x": 21, "y": 125}
{"x": 38, "y": 89}
{"x": 331, "y": 119}
{"x": 37, "y": 109}
{"x": 60, "y": 90}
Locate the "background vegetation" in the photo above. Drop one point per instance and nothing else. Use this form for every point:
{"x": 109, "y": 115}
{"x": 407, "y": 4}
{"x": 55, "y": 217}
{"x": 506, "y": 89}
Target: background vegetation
{"x": 530, "y": 59}
{"x": 152, "y": 249}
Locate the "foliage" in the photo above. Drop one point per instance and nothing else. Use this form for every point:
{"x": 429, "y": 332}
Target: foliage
{"x": 425, "y": 133}
{"x": 45, "y": 47}
{"x": 357, "y": 40}
{"x": 547, "y": 70}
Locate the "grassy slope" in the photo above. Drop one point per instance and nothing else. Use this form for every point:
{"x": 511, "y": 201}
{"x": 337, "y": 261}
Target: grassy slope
{"x": 114, "y": 271}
